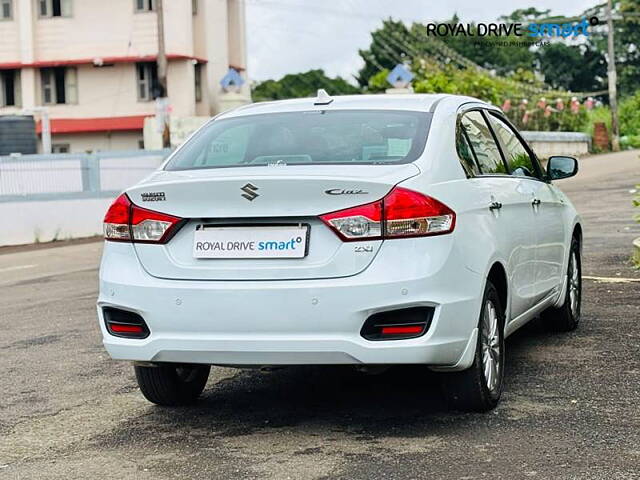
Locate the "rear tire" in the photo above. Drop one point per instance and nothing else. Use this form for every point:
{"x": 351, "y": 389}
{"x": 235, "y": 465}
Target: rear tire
{"x": 478, "y": 388}
{"x": 567, "y": 317}
{"x": 172, "y": 384}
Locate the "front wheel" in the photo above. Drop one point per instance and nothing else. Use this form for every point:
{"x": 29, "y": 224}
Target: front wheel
{"x": 478, "y": 388}
{"x": 172, "y": 384}
{"x": 567, "y": 317}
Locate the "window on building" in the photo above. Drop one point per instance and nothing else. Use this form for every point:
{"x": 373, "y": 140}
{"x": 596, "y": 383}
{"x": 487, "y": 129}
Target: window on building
{"x": 197, "y": 70}
{"x": 10, "y": 95}
{"x": 54, "y": 8}
{"x": 194, "y": 7}
{"x": 147, "y": 78}
{"x": 145, "y": 5}
{"x": 60, "y": 148}
{"x": 6, "y": 9}
{"x": 59, "y": 85}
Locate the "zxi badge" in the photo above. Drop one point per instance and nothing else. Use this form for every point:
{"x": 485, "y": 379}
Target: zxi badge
{"x": 250, "y": 192}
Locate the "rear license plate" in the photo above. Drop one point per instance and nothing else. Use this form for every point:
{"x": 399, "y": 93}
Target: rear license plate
{"x": 251, "y": 242}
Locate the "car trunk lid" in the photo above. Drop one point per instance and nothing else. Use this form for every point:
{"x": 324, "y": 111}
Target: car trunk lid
{"x": 259, "y": 197}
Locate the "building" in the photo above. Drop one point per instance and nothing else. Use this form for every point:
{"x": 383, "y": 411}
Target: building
{"x": 92, "y": 64}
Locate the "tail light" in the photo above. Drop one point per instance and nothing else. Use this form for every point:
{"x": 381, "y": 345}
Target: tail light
{"x": 402, "y": 213}
{"x": 126, "y": 222}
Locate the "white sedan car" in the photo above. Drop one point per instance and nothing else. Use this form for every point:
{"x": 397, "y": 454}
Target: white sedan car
{"x": 365, "y": 230}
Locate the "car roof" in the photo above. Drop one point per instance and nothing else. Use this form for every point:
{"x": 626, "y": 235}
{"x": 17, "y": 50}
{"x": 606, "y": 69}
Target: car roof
{"x": 411, "y": 101}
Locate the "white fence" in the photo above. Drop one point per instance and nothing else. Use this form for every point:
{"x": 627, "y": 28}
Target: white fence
{"x": 55, "y": 197}
{"x": 546, "y": 144}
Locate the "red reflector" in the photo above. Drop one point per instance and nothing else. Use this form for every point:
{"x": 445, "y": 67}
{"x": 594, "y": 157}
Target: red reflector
{"x": 402, "y": 330}
{"x": 115, "y": 327}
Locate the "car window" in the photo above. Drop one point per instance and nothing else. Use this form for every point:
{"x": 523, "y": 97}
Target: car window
{"x": 482, "y": 144}
{"x": 307, "y": 137}
{"x": 517, "y": 156}
{"x": 467, "y": 158}
{"x": 229, "y": 147}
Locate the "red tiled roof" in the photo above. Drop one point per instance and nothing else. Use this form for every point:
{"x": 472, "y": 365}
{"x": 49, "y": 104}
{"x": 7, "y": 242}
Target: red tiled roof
{"x": 79, "y": 125}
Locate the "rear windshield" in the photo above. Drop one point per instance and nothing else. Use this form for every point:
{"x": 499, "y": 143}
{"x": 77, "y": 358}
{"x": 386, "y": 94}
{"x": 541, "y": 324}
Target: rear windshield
{"x": 302, "y": 138}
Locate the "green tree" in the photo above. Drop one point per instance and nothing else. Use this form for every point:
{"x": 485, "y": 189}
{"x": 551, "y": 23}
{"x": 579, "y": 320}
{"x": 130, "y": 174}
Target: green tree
{"x": 486, "y": 52}
{"x": 572, "y": 67}
{"x": 297, "y": 85}
{"x": 628, "y": 46}
{"x": 525, "y": 15}
{"x": 394, "y": 43}
{"x": 627, "y": 41}
{"x": 391, "y": 44}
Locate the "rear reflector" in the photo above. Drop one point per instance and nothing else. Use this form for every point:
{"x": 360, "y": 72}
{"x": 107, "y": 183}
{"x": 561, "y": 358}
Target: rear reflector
{"x": 402, "y": 330}
{"x": 399, "y": 324}
{"x": 119, "y": 328}
{"x": 122, "y": 323}
{"x": 402, "y": 213}
{"x": 127, "y": 222}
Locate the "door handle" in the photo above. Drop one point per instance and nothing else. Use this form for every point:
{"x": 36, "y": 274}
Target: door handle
{"x": 535, "y": 202}
{"x": 495, "y": 206}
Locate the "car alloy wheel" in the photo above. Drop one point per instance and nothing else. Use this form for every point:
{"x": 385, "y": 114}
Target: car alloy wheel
{"x": 490, "y": 346}
{"x": 574, "y": 285}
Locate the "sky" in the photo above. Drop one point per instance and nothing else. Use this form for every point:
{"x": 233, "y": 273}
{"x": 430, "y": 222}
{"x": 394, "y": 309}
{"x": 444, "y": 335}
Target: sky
{"x": 290, "y": 36}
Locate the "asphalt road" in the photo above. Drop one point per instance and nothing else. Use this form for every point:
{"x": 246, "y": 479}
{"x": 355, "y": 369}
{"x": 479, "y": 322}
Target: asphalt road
{"x": 569, "y": 411}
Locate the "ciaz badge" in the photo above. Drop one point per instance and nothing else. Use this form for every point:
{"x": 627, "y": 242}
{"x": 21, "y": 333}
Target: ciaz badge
{"x": 343, "y": 191}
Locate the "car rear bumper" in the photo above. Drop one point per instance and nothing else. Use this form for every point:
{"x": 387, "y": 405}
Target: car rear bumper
{"x": 295, "y": 322}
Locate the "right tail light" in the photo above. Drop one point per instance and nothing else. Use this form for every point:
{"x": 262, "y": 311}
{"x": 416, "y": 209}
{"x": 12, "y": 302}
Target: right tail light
{"x": 402, "y": 213}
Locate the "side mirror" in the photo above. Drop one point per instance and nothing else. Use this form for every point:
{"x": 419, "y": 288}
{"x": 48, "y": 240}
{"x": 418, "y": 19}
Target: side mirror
{"x": 561, "y": 167}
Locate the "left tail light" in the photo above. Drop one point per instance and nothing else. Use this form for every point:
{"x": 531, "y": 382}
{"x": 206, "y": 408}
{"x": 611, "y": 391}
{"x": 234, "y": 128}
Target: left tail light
{"x": 127, "y": 222}
{"x": 402, "y": 213}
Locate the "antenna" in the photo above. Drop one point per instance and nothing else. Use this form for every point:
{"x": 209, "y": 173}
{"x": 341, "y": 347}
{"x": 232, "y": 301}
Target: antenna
{"x": 322, "y": 98}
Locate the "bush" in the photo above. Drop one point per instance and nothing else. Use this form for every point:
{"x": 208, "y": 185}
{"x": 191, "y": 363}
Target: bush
{"x": 378, "y": 82}
{"x": 598, "y": 115}
{"x": 630, "y": 121}
{"x": 432, "y": 78}
{"x": 534, "y": 117}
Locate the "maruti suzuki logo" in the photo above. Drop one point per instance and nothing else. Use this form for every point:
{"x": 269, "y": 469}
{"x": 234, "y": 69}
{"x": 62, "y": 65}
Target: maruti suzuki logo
{"x": 250, "y": 192}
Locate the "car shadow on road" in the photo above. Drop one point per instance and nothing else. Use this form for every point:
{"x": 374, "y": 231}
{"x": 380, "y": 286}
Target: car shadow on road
{"x": 326, "y": 396}
{"x": 329, "y": 401}
{"x": 408, "y": 400}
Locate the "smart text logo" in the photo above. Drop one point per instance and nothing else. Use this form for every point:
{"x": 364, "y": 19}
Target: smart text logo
{"x": 562, "y": 30}
{"x": 272, "y": 245}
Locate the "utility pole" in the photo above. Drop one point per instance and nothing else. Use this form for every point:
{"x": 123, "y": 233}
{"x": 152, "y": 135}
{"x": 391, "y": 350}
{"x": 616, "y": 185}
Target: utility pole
{"x": 613, "y": 79}
{"x": 162, "y": 76}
